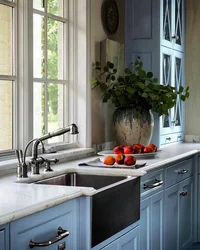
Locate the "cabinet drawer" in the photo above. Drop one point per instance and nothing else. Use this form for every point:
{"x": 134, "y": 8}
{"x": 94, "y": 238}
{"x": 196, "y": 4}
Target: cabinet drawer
{"x": 171, "y": 138}
{"x": 152, "y": 182}
{"x": 43, "y": 227}
{"x": 178, "y": 172}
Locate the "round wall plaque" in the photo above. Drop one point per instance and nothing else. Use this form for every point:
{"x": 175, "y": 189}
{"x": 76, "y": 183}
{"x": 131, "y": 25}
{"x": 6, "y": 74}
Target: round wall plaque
{"x": 110, "y": 16}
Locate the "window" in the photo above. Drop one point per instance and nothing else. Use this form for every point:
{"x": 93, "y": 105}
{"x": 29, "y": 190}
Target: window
{"x": 7, "y": 74}
{"x": 45, "y": 71}
{"x": 49, "y": 66}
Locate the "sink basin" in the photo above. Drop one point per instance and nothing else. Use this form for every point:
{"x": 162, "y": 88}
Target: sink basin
{"x": 83, "y": 180}
{"x": 113, "y": 207}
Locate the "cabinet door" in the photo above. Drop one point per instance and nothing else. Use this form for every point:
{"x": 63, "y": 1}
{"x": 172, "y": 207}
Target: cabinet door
{"x": 178, "y": 215}
{"x": 179, "y": 25}
{"x": 186, "y": 214}
{"x": 177, "y": 115}
{"x": 172, "y": 24}
{"x": 42, "y": 227}
{"x": 4, "y": 237}
{"x": 130, "y": 241}
{"x": 173, "y": 74}
{"x": 151, "y": 222}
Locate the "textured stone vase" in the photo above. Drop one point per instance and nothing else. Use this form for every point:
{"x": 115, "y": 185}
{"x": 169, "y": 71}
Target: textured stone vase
{"x": 129, "y": 129}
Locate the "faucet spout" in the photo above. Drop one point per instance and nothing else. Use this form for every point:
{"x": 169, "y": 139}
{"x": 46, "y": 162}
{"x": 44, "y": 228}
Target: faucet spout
{"x": 72, "y": 129}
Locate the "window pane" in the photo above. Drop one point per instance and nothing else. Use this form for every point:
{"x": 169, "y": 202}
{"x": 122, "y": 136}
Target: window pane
{"x": 55, "y": 109}
{"x": 38, "y": 4}
{"x": 55, "y": 49}
{"x": 38, "y": 46}
{"x": 5, "y": 115}
{"x": 55, "y": 7}
{"x": 39, "y": 111}
{"x": 48, "y": 102}
{"x": 5, "y": 40}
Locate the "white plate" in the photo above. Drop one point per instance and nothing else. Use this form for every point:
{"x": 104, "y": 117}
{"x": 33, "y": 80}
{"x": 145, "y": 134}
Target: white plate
{"x": 98, "y": 163}
{"x": 142, "y": 155}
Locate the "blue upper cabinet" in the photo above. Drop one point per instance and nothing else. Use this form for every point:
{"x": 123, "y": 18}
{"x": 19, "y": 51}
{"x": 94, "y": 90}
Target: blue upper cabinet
{"x": 155, "y": 32}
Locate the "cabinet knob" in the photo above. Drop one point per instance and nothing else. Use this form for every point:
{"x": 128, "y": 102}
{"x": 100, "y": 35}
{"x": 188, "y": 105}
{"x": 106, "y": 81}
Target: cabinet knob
{"x": 168, "y": 139}
{"x": 182, "y": 171}
{"x": 62, "y": 233}
{"x": 183, "y": 193}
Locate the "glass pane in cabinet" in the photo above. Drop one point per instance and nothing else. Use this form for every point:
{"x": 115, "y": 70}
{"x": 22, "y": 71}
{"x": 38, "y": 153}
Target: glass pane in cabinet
{"x": 55, "y": 49}
{"x": 178, "y": 21}
{"x": 166, "y": 80}
{"x": 167, "y": 20}
{"x": 6, "y": 120}
{"x": 166, "y": 70}
{"x": 178, "y": 83}
{"x": 38, "y": 46}
{"x": 6, "y": 40}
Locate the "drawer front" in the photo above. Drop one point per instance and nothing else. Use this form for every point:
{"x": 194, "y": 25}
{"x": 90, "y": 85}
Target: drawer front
{"x": 178, "y": 172}
{"x": 171, "y": 138}
{"x": 152, "y": 182}
{"x": 43, "y": 227}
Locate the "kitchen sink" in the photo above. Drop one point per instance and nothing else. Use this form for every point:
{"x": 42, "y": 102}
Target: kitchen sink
{"x": 83, "y": 180}
{"x": 114, "y": 206}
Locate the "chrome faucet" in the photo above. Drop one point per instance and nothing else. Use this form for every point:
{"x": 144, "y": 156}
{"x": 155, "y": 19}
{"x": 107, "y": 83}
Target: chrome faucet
{"x": 36, "y": 161}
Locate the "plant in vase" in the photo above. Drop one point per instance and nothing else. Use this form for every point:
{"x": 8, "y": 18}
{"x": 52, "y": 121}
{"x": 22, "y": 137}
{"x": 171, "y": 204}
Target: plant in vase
{"x": 136, "y": 94}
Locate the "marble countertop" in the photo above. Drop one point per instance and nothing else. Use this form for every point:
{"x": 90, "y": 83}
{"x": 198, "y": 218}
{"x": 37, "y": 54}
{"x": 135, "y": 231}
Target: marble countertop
{"x": 21, "y": 197}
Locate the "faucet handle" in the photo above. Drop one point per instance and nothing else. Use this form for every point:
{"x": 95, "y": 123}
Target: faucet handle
{"x": 48, "y": 164}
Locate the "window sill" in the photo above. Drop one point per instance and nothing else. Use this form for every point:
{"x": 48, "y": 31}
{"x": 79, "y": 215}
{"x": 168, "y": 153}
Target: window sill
{"x": 9, "y": 166}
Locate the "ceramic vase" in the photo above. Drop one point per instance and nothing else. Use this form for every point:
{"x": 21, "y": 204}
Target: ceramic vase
{"x": 129, "y": 129}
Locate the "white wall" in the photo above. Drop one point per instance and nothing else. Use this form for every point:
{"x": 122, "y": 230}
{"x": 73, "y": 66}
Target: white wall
{"x": 193, "y": 66}
{"x": 102, "y": 113}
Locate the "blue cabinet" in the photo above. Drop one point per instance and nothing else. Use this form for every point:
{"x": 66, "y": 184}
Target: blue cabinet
{"x": 4, "y": 237}
{"x": 128, "y": 241}
{"x": 179, "y": 206}
{"x": 156, "y": 34}
{"x": 43, "y": 227}
{"x": 151, "y": 212}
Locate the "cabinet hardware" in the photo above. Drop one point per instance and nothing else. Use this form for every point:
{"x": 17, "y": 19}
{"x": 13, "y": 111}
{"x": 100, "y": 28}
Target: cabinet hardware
{"x": 152, "y": 185}
{"x": 175, "y": 37}
{"x": 179, "y": 137}
{"x": 62, "y": 233}
{"x": 168, "y": 139}
{"x": 182, "y": 171}
{"x": 183, "y": 193}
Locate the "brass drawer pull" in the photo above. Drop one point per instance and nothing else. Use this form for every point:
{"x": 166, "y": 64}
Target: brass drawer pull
{"x": 153, "y": 185}
{"x": 183, "y": 193}
{"x": 61, "y": 235}
{"x": 182, "y": 171}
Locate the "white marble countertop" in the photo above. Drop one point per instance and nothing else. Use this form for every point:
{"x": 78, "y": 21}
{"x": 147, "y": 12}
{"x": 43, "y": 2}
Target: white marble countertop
{"x": 21, "y": 197}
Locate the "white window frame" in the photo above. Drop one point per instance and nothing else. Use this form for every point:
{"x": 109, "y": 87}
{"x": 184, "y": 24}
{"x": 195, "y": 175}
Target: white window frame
{"x": 79, "y": 71}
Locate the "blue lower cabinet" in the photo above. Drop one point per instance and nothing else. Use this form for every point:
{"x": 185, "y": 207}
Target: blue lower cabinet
{"x": 48, "y": 226}
{"x": 128, "y": 241}
{"x": 151, "y": 222}
{"x": 4, "y": 237}
{"x": 178, "y": 224}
